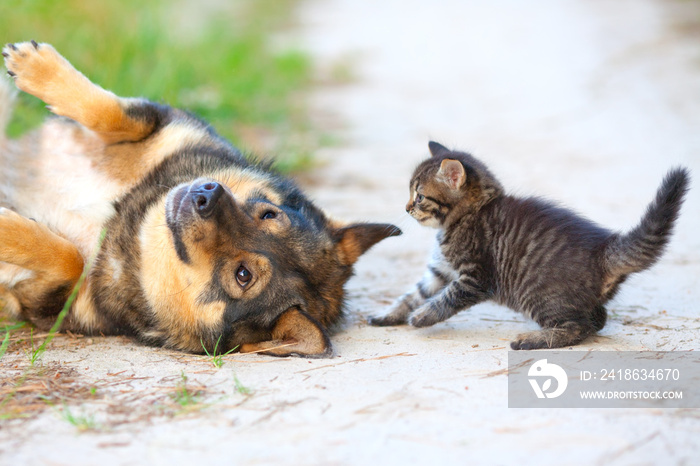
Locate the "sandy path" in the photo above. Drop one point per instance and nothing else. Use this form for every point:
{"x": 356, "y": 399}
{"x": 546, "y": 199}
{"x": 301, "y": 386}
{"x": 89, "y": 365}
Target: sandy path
{"x": 585, "y": 102}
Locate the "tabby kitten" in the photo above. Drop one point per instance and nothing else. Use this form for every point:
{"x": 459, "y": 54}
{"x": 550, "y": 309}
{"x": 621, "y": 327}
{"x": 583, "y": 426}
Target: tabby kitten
{"x": 526, "y": 253}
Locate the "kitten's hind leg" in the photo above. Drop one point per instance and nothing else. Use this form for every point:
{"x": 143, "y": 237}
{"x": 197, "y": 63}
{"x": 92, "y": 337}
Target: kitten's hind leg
{"x": 557, "y": 334}
{"x": 568, "y": 334}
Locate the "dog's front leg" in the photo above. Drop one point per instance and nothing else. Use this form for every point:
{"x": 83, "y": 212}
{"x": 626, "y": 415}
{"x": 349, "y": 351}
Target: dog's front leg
{"x": 55, "y": 265}
{"x": 40, "y": 70}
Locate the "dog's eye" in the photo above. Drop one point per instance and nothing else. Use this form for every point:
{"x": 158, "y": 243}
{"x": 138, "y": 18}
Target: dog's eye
{"x": 268, "y": 214}
{"x": 243, "y": 276}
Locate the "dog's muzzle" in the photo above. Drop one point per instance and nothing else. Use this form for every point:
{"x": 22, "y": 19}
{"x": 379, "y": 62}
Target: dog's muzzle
{"x": 205, "y": 196}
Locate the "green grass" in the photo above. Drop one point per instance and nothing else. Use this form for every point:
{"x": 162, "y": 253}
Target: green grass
{"x": 34, "y": 354}
{"x": 184, "y": 396}
{"x": 82, "y": 423}
{"x": 217, "y": 62}
{"x": 5, "y": 343}
{"x": 9, "y": 328}
{"x": 240, "y": 388}
{"x": 216, "y": 358}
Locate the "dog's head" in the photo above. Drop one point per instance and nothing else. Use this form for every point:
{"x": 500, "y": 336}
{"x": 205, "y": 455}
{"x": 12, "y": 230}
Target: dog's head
{"x": 243, "y": 258}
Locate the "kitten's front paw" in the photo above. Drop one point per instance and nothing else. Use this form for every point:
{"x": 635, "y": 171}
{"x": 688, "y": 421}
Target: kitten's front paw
{"x": 425, "y": 316}
{"x": 385, "y": 321}
{"x": 396, "y": 315}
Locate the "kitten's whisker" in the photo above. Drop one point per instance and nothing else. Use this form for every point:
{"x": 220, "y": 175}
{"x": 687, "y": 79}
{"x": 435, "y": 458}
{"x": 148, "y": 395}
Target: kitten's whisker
{"x": 405, "y": 221}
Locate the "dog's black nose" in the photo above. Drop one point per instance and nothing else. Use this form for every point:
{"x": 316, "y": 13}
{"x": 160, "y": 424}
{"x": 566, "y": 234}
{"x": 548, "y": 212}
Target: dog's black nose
{"x": 205, "y": 196}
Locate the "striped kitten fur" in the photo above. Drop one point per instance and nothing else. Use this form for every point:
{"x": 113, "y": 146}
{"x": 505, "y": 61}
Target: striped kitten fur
{"x": 526, "y": 253}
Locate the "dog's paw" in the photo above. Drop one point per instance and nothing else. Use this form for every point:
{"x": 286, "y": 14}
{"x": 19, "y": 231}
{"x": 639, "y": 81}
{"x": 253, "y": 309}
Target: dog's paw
{"x": 16, "y": 235}
{"x": 11, "y": 224}
{"x": 9, "y": 303}
{"x": 33, "y": 66}
{"x": 9, "y": 220}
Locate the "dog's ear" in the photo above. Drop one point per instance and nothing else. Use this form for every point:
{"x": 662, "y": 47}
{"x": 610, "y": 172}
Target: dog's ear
{"x": 355, "y": 240}
{"x": 294, "y": 334}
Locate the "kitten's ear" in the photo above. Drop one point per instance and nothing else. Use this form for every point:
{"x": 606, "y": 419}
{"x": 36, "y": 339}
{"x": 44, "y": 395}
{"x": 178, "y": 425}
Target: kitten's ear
{"x": 437, "y": 149}
{"x": 355, "y": 240}
{"x": 452, "y": 173}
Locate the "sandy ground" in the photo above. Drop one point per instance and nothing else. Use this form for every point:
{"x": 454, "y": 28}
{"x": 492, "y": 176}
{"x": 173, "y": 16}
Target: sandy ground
{"x": 585, "y": 102}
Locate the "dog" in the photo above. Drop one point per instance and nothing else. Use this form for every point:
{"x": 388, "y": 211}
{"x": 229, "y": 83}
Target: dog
{"x": 201, "y": 249}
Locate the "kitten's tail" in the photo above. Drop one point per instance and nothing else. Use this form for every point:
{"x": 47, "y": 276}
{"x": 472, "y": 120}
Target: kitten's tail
{"x": 643, "y": 246}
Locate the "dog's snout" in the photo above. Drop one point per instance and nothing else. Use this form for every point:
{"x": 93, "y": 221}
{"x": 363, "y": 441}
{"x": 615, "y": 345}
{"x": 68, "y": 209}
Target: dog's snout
{"x": 205, "y": 197}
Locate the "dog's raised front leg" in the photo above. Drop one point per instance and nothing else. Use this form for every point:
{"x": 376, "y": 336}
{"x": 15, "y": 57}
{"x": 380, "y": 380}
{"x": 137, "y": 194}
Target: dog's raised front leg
{"x": 40, "y": 70}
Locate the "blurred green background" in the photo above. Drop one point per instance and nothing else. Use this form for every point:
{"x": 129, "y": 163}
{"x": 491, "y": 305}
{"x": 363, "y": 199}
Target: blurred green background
{"x": 215, "y": 58}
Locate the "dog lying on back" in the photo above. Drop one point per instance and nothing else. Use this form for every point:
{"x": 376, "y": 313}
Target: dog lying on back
{"x": 202, "y": 249}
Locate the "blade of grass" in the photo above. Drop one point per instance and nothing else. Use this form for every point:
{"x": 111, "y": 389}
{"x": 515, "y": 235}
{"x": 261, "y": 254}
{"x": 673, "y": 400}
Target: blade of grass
{"x": 216, "y": 359}
{"x": 240, "y": 388}
{"x": 8, "y": 333}
{"x": 5, "y": 344}
{"x": 82, "y": 423}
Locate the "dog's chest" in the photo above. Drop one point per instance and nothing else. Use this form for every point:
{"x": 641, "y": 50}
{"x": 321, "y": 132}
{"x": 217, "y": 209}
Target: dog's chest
{"x": 65, "y": 191}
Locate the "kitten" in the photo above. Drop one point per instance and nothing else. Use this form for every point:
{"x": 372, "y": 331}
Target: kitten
{"x": 526, "y": 253}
